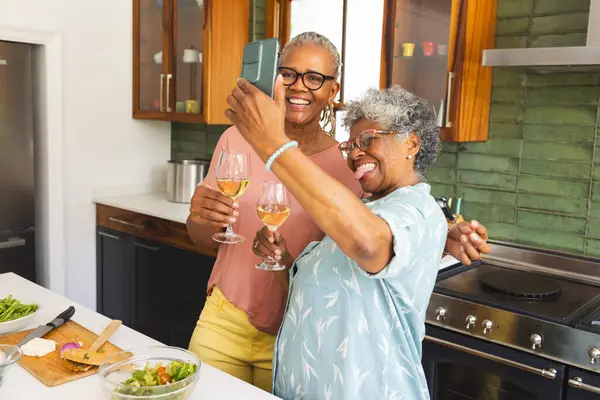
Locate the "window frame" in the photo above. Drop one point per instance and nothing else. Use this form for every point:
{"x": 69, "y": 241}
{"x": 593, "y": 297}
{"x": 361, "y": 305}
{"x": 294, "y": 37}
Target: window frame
{"x": 278, "y": 21}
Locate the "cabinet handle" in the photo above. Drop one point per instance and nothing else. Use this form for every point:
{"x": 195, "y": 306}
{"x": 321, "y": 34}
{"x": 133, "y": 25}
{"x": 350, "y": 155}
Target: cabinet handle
{"x": 205, "y": 14}
{"x": 577, "y": 382}
{"x": 108, "y": 235}
{"x": 12, "y": 242}
{"x": 546, "y": 373}
{"x": 145, "y": 246}
{"x": 120, "y": 221}
{"x": 448, "y": 123}
{"x": 441, "y": 114}
{"x": 162, "y": 83}
{"x": 169, "y": 76}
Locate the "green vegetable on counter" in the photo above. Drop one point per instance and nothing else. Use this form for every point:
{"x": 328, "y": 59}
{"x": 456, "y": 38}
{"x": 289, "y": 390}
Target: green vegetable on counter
{"x": 158, "y": 376}
{"x": 11, "y": 309}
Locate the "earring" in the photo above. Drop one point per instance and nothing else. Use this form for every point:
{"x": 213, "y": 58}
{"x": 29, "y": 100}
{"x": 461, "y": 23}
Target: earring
{"x": 327, "y": 120}
{"x": 410, "y": 156}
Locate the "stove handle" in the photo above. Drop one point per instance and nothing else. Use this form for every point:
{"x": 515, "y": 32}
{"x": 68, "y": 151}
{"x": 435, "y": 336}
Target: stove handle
{"x": 577, "y": 382}
{"x": 546, "y": 373}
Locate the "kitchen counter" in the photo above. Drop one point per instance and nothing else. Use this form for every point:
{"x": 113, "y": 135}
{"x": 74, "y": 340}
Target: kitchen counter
{"x": 152, "y": 204}
{"x": 18, "y": 384}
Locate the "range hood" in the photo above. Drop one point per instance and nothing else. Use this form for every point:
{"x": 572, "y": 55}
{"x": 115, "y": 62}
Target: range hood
{"x": 554, "y": 59}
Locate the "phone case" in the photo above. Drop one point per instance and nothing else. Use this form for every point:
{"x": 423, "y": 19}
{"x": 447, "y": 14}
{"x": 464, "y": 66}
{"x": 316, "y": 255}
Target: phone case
{"x": 260, "y": 63}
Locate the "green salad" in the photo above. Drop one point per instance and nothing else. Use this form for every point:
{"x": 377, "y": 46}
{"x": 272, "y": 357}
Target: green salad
{"x": 11, "y": 309}
{"x": 158, "y": 379}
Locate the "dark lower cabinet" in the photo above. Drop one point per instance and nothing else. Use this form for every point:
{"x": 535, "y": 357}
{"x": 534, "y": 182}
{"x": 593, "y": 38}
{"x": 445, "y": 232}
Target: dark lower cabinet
{"x": 155, "y": 289}
{"x": 114, "y": 264}
{"x": 195, "y": 271}
{"x": 151, "y": 295}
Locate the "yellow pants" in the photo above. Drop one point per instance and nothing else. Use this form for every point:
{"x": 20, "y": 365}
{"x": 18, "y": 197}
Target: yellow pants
{"x": 225, "y": 339}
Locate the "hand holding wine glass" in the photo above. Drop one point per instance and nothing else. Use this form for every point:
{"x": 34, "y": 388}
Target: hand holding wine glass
{"x": 271, "y": 245}
{"x": 273, "y": 209}
{"x": 211, "y": 207}
{"x": 233, "y": 178}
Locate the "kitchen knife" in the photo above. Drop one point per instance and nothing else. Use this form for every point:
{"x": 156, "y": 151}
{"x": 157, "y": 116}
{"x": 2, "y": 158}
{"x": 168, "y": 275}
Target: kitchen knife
{"x": 41, "y": 330}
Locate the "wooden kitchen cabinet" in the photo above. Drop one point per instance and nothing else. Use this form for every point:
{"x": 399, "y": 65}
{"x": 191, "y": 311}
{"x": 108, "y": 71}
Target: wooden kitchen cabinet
{"x": 154, "y": 288}
{"x": 434, "y": 48}
{"x": 187, "y": 55}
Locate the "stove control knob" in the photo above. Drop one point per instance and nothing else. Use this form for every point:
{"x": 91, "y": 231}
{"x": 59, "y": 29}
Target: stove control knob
{"x": 487, "y": 325}
{"x": 470, "y": 320}
{"x": 536, "y": 341}
{"x": 594, "y": 354}
{"x": 440, "y": 313}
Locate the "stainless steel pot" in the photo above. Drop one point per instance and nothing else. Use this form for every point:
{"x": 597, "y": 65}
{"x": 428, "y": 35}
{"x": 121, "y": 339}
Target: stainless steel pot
{"x": 182, "y": 178}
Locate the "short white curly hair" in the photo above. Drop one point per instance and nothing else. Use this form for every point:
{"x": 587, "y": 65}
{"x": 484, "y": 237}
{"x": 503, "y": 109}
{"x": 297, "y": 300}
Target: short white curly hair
{"x": 400, "y": 110}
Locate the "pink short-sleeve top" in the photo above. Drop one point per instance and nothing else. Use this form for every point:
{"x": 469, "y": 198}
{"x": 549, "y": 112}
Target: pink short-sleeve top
{"x": 254, "y": 291}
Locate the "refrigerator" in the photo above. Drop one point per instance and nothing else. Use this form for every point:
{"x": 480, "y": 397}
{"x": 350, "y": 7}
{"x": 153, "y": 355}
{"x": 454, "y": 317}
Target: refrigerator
{"x": 17, "y": 194}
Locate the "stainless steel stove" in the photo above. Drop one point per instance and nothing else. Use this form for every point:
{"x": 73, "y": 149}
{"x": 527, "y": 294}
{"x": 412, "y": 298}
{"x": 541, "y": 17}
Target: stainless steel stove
{"x": 536, "y": 302}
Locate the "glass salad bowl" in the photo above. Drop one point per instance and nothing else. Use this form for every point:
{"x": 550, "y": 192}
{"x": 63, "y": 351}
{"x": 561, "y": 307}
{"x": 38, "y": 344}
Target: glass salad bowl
{"x": 158, "y": 372}
{"x": 9, "y": 356}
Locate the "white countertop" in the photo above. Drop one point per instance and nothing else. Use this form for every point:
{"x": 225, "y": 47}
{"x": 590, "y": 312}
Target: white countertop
{"x": 152, "y": 204}
{"x": 447, "y": 262}
{"x": 20, "y": 385}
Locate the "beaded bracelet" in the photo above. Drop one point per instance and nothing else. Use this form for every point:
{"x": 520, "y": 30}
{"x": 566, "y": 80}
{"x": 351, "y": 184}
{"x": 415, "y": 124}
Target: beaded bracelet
{"x": 274, "y": 156}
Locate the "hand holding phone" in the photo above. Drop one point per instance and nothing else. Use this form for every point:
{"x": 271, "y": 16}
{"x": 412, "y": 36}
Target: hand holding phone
{"x": 260, "y": 63}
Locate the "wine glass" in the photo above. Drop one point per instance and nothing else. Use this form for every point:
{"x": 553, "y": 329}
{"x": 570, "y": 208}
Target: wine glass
{"x": 233, "y": 178}
{"x": 273, "y": 209}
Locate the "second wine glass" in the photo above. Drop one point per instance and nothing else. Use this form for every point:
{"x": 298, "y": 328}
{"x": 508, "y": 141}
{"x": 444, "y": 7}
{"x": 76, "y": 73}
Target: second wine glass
{"x": 233, "y": 178}
{"x": 273, "y": 209}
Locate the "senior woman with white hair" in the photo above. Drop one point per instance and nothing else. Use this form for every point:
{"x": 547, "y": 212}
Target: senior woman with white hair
{"x": 355, "y": 317}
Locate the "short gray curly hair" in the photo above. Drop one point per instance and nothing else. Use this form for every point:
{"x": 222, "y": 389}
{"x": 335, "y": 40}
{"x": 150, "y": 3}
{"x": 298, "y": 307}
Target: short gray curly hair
{"x": 318, "y": 40}
{"x": 398, "y": 109}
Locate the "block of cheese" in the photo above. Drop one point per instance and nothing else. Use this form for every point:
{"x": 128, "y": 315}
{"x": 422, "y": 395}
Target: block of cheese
{"x": 38, "y": 347}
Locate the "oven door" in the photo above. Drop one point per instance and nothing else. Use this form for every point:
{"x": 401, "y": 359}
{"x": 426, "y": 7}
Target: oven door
{"x": 462, "y": 367}
{"x": 583, "y": 385}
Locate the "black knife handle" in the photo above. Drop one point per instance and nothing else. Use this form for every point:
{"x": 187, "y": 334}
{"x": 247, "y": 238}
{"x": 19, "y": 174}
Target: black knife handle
{"x": 62, "y": 317}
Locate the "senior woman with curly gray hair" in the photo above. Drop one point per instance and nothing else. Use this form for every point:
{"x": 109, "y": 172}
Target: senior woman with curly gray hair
{"x": 355, "y": 317}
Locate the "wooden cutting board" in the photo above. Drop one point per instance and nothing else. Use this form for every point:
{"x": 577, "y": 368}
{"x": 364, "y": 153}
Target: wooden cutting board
{"x": 50, "y": 369}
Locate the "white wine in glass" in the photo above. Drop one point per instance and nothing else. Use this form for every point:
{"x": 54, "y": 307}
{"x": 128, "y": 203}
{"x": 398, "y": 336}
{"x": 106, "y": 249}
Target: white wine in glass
{"x": 233, "y": 178}
{"x": 273, "y": 209}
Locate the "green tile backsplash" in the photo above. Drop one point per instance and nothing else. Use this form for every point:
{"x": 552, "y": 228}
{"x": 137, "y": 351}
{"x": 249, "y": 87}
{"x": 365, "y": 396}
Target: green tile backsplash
{"x": 191, "y": 141}
{"x": 536, "y": 180}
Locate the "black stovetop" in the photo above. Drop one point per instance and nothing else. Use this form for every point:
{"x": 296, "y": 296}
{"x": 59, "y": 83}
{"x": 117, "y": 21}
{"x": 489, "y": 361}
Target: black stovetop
{"x": 540, "y": 296}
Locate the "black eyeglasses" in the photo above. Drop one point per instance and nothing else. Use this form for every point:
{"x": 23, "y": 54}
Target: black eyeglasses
{"x": 312, "y": 80}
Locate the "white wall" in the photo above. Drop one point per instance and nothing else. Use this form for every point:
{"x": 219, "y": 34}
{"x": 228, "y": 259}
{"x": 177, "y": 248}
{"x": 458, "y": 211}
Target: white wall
{"x": 99, "y": 147}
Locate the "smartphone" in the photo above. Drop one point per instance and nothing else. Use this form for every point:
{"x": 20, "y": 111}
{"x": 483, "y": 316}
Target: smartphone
{"x": 260, "y": 63}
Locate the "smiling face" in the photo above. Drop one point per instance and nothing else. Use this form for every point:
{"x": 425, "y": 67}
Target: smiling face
{"x": 304, "y": 106}
{"x": 385, "y": 166}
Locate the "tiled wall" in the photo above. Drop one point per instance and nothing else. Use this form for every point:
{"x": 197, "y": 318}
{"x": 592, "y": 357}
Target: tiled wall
{"x": 537, "y": 180}
{"x": 190, "y": 141}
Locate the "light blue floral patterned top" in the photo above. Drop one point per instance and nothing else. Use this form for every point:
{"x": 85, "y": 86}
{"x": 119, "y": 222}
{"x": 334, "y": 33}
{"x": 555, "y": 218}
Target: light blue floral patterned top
{"x": 348, "y": 334}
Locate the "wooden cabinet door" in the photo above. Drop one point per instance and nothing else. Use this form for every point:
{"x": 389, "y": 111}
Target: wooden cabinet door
{"x": 433, "y": 48}
{"x": 151, "y": 23}
{"x": 187, "y": 55}
{"x": 226, "y": 33}
{"x": 470, "y": 85}
{"x": 187, "y": 42}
